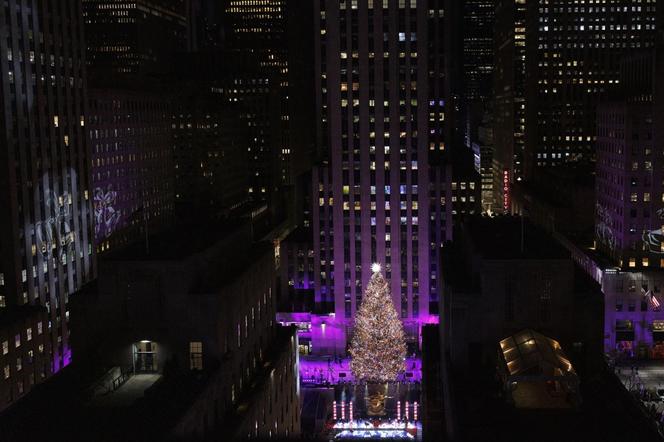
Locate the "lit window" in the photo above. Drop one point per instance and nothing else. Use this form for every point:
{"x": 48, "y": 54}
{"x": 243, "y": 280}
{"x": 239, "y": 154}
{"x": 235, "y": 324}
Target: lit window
{"x": 28, "y": 334}
{"x": 17, "y": 341}
{"x": 5, "y": 347}
{"x": 196, "y": 355}
{"x": 7, "y": 372}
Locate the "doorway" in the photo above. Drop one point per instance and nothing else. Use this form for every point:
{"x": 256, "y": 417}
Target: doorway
{"x": 145, "y": 357}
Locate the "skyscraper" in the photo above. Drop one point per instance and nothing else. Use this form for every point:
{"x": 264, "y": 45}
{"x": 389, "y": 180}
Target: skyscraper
{"x": 555, "y": 61}
{"x": 137, "y": 37}
{"x": 629, "y": 212}
{"x": 270, "y": 37}
{"x": 131, "y": 148}
{"x": 258, "y": 31}
{"x": 381, "y": 93}
{"x": 46, "y": 241}
{"x": 509, "y": 95}
{"x": 478, "y": 22}
{"x": 573, "y": 63}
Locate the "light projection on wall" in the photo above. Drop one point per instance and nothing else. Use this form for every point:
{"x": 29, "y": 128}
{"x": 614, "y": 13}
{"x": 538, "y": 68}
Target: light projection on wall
{"x": 107, "y": 217}
{"x": 603, "y": 231}
{"x": 653, "y": 240}
{"x": 54, "y": 234}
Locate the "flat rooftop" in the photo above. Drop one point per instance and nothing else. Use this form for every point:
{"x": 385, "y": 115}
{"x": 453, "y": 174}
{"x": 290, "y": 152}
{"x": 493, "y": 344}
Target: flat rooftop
{"x": 181, "y": 241}
{"x": 501, "y": 237}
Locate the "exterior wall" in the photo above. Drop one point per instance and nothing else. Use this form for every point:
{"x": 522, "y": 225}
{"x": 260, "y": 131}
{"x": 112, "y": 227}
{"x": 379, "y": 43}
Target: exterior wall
{"x": 466, "y": 195}
{"x": 46, "y": 235}
{"x": 25, "y": 353}
{"x": 133, "y": 37}
{"x": 628, "y": 192}
{"x": 510, "y": 105}
{"x": 132, "y": 165}
{"x": 631, "y": 321}
{"x": 271, "y": 409}
{"x": 270, "y": 48}
{"x": 440, "y": 225}
{"x": 241, "y": 343}
{"x": 573, "y": 62}
{"x": 253, "y": 90}
{"x": 478, "y": 63}
{"x": 297, "y": 272}
{"x": 371, "y": 199}
{"x": 514, "y": 295}
{"x": 210, "y": 144}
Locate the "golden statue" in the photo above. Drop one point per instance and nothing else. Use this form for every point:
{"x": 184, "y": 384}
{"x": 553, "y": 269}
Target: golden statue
{"x": 376, "y": 406}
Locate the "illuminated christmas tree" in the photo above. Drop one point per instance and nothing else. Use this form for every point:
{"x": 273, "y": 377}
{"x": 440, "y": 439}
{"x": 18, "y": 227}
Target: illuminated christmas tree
{"x": 378, "y": 347}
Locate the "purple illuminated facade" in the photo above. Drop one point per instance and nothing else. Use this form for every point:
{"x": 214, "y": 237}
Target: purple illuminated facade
{"x": 378, "y": 196}
{"x": 629, "y": 214}
{"x": 46, "y": 220}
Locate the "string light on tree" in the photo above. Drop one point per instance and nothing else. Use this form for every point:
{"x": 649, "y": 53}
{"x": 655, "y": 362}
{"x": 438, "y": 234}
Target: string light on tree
{"x": 378, "y": 347}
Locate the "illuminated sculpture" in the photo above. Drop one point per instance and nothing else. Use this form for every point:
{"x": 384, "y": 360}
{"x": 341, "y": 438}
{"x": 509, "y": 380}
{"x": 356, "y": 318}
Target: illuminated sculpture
{"x": 378, "y": 347}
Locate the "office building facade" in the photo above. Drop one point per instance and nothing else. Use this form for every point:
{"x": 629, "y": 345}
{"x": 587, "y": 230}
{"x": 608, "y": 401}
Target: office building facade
{"x": 46, "y": 244}
{"x": 131, "y": 147}
{"x": 130, "y": 38}
{"x": 381, "y": 93}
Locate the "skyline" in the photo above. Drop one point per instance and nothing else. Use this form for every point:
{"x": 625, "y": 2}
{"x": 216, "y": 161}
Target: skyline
{"x": 198, "y": 196}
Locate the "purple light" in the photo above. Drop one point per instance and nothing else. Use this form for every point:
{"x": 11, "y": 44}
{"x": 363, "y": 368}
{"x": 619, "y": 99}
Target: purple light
{"x": 317, "y": 370}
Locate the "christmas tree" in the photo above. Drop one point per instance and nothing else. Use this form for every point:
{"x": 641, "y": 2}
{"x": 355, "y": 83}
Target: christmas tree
{"x": 378, "y": 347}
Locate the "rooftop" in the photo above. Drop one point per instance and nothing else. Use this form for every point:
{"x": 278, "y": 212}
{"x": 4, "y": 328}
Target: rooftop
{"x": 182, "y": 241}
{"x": 501, "y": 237}
{"x": 531, "y": 353}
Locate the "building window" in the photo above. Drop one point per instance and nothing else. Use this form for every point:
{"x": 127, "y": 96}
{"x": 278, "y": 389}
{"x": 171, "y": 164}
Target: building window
{"x": 28, "y": 334}
{"x": 7, "y": 372}
{"x": 196, "y": 355}
{"x": 17, "y": 341}
{"x": 5, "y": 347}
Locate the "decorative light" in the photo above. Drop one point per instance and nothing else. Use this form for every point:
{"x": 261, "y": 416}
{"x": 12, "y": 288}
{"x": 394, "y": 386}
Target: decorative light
{"x": 406, "y": 407}
{"x": 378, "y": 347}
{"x": 334, "y": 410}
{"x": 398, "y": 410}
{"x": 415, "y": 411}
{"x": 343, "y": 410}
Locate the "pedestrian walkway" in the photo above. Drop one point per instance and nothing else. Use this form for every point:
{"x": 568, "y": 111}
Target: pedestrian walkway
{"x": 128, "y": 393}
